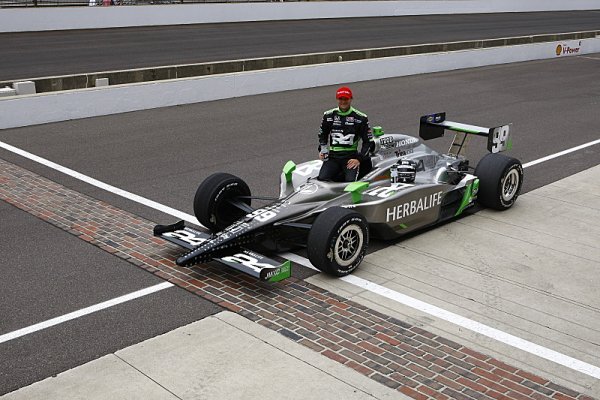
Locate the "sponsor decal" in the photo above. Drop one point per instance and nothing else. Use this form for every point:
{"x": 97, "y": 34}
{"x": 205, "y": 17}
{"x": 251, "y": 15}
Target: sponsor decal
{"x": 386, "y": 191}
{"x": 400, "y": 153}
{"x": 388, "y": 142}
{"x": 412, "y": 207}
{"x": 233, "y": 230}
{"x": 284, "y": 270}
{"x": 349, "y": 120}
{"x": 566, "y": 49}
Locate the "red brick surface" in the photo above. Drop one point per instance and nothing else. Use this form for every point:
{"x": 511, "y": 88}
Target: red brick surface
{"x": 409, "y": 359}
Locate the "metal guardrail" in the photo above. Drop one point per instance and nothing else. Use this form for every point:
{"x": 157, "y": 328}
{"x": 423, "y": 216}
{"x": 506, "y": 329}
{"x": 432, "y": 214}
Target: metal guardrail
{"x": 82, "y": 81}
{"x": 71, "y": 3}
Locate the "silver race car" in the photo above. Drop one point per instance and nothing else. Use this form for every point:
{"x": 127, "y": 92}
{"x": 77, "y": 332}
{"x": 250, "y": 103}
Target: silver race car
{"x": 408, "y": 187}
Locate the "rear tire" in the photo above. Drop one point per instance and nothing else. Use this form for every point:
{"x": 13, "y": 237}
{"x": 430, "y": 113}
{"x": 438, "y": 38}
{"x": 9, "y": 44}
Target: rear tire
{"x": 500, "y": 181}
{"x": 211, "y": 203}
{"x": 337, "y": 241}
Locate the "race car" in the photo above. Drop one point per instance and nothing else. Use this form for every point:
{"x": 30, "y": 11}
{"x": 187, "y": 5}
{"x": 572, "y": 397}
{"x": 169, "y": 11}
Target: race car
{"x": 407, "y": 187}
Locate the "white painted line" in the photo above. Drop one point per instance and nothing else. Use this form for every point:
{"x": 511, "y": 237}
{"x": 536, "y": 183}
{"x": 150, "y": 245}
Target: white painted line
{"x": 493, "y": 333}
{"x": 475, "y": 326}
{"x": 299, "y": 260}
{"x": 84, "y": 311}
{"x": 101, "y": 185}
{"x": 561, "y": 153}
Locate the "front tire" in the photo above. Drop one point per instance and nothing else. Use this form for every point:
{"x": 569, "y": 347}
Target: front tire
{"x": 337, "y": 241}
{"x": 500, "y": 181}
{"x": 212, "y": 205}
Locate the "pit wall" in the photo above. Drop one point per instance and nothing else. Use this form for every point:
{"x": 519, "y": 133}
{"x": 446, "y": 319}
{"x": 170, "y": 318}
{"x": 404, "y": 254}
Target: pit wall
{"x": 65, "y": 18}
{"x": 72, "y": 104}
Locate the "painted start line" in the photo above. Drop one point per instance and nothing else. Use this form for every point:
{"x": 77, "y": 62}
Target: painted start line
{"x": 503, "y": 337}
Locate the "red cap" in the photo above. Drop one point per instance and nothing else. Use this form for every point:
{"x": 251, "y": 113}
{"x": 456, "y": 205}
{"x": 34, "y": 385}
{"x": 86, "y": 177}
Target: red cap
{"x": 343, "y": 92}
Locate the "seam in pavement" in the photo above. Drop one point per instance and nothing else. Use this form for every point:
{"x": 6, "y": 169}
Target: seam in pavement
{"x": 525, "y": 240}
{"x": 567, "y": 202}
{"x": 293, "y": 356}
{"x": 498, "y": 321}
{"x": 483, "y": 291}
{"x": 147, "y": 376}
{"x": 489, "y": 274}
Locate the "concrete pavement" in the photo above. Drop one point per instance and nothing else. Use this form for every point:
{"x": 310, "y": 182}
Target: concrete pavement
{"x": 224, "y": 356}
{"x": 532, "y": 271}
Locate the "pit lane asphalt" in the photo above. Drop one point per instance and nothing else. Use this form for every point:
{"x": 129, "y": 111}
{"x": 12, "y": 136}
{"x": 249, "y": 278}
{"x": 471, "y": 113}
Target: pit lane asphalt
{"x": 47, "y": 273}
{"x": 37, "y": 54}
{"x": 163, "y": 154}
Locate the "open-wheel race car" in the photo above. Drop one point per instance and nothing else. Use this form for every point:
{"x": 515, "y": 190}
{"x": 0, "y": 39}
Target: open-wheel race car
{"x": 408, "y": 187}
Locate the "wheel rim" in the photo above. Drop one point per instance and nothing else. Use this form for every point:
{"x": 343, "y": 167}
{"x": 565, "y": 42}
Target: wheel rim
{"x": 348, "y": 245}
{"x": 510, "y": 185}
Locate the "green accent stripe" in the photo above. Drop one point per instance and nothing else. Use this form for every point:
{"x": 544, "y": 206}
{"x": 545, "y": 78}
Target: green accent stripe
{"x": 468, "y": 197}
{"x": 362, "y": 114}
{"x": 351, "y": 148}
{"x": 344, "y": 113}
{"x": 285, "y": 271}
{"x": 462, "y": 130}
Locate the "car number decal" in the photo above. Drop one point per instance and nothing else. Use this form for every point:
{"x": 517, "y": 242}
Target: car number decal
{"x": 185, "y": 236}
{"x": 247, "y": 261}
{"x": 499, "y": 139}
{"x": 386, "y": 191}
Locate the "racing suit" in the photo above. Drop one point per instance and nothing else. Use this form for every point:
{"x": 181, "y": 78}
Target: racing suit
{"x": 339, "y": 137}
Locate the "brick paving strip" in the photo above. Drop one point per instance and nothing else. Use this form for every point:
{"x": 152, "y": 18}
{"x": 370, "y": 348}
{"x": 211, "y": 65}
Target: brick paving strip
{"x": 404, "y": 357}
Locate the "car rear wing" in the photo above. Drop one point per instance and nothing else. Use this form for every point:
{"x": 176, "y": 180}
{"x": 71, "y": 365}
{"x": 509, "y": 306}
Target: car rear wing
{"x": 434, "y": 125}
{"x": 242, "y": 259}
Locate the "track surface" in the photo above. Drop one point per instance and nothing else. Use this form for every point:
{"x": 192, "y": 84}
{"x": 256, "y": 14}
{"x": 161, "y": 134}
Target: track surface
{"x": 162, "y": 154}
{"x": 63, "y": 274}
{"x": 37, "y": 54}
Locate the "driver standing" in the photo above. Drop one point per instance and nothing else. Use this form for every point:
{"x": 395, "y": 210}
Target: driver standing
{"x": 341, "y": 130}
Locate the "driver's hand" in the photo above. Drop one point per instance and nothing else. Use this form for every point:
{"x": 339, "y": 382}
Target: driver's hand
{"x": 321, "y": 156}
{"x": 353, "y": 163}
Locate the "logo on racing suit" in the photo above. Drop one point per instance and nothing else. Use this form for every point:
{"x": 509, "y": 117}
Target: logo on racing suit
{"x": 412, "y": 207}
{"x": 340, "y": 138}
